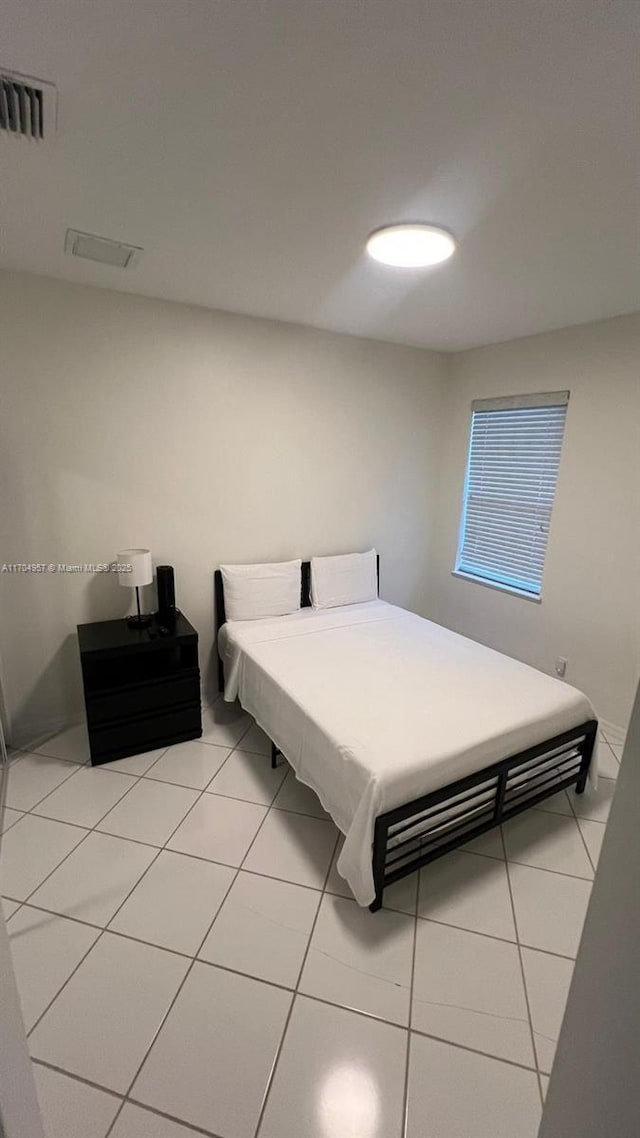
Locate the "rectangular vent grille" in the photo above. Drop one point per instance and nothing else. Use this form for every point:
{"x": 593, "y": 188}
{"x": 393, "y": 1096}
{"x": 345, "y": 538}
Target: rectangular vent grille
{"x": 27, "y": 106}
{"x": 101, "y": 249}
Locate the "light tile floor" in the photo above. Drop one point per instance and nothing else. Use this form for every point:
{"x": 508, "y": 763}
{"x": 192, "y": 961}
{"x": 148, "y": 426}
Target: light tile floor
{"x": 190, "y": 961}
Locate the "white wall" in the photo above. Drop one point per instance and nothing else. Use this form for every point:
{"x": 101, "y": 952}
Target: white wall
{"x": 590, "y": 610}
{"x": 209, "y": 437}
{"x": 205, "y": 437}
{"x": 594, "y": 1090}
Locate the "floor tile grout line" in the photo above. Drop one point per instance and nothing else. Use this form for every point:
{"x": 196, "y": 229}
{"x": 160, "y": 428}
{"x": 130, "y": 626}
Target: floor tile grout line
{"x": 21, "y": 814}
{"x": 298, "y": 814}
{"x": 91, "y": 829}
{"x": 195, "y": 1130}
{"x": 274, "y": 1065}
{"x": 76, "y": 767}
{"x": 223, "y": 746}
{"x": 294, "y": 990}
{"x": 296, "y": 993}
{"x": 181, "y": 853}
{"x": 135, "y": 779}
{"x": 584, "y": 842}
{"x": 547, "y": 869}
{"x": 285, "y": 881}
{"x": 610, "y": 746}
{"x": 329, "y": 1003}
{"x": 156, "y": 1033}
{"x": 191, "y": 965}
{"x": 231, "y": 883}
{"x": 181, "y": 984}
{"x": 307, "y": 996}
{"x": 524, "y": 978}
{"x": 411, "y": 1035}
{"x": 161, "y": 849}
{"x": 53, "y": 999}
{"x": 188, "y": 971}
{"x": 192, "y": 961}
{"x": 583, "y": 818}
{"x": 184, "y": 785}
{"x": 80, "y": 841}
{"x": 105, "y": 928}
{"x": 531, "y": 1068}
{"x": 272, "y": 804}
{"x": 238, "y": 870}
{"x": 118, "y": 1096}
{"x": 404, "y": 1123}
{"x": 492, "y": 936}
{"x": 18, "y": 905}
{"x": 88, "y": 830}
{"x": 79, "y": 825}
{"x": 166, "y": 948}
{"x": 76, "y": 1078}
{"x": 282, "y": 809}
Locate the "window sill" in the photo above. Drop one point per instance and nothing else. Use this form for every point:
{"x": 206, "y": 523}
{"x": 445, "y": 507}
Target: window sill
{"x": 495, "y": 585}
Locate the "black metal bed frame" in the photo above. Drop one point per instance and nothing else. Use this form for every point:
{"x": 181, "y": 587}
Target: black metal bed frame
{"x": 418, "y": 832}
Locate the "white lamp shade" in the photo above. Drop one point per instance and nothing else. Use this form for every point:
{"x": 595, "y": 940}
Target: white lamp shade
{"x": 141, "y": 567}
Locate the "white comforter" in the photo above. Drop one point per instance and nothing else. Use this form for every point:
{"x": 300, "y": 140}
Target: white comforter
{"x": 374, "y": 706}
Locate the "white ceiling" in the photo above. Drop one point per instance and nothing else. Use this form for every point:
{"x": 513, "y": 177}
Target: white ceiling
{"x": 251, "y": 145}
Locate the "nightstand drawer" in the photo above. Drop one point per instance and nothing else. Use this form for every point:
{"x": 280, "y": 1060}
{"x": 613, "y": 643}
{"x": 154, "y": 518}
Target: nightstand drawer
{"x": 115, "y": 740}
{"x": 133, "y": 700}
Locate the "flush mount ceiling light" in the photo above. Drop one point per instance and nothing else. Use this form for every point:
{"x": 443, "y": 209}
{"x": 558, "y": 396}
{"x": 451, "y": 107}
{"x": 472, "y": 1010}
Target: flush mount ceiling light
{"x": 411, "y": 245}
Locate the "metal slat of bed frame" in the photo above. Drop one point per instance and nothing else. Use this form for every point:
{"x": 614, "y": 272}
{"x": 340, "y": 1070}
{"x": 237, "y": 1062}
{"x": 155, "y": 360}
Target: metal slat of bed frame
{"x": 429, "y": 827}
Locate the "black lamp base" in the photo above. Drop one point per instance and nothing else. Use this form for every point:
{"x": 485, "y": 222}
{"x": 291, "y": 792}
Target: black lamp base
{"x": 139, "y": 621}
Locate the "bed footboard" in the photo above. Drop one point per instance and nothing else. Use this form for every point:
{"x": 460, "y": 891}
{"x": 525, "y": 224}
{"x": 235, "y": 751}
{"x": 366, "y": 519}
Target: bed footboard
{"x": 418, "y": 832}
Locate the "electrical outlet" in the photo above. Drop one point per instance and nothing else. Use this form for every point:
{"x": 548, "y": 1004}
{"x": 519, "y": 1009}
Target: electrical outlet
{"x": 561, "y": 666}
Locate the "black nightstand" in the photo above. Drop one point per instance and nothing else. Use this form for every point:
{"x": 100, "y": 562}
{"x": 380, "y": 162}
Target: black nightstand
{"x": 141, "y": 688}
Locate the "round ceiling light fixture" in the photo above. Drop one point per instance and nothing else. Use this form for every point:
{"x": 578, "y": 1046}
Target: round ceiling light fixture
{"x": 411, "y": 245}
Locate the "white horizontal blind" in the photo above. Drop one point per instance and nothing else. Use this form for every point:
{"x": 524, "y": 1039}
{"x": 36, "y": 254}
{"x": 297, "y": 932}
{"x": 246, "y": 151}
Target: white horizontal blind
{"x": 514, "y": 456}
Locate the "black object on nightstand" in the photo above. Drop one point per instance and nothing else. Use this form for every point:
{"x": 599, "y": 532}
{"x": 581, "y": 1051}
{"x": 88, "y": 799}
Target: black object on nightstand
{"x": 141, "y": 686}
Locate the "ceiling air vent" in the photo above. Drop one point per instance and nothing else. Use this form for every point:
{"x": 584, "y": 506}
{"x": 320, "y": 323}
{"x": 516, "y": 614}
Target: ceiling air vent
{"x": 101, "y": 249}
{"x": 27, "y": 106}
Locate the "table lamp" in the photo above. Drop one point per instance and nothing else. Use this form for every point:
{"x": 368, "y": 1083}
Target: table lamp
{"x": 141, "y": 574}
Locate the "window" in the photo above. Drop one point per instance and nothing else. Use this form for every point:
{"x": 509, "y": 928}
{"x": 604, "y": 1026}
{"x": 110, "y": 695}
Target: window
{"x": 510, "y": 485}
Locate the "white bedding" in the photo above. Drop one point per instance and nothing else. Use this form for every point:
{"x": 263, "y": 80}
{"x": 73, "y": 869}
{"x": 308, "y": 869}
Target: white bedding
{"x": 374, "y": 706}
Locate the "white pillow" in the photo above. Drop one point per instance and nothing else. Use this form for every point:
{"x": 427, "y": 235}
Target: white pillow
{"x": 252, "y": 592}
{"x": 347, "y": 579}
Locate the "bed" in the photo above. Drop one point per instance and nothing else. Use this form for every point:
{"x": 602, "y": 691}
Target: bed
{"x": 415, "y": 739}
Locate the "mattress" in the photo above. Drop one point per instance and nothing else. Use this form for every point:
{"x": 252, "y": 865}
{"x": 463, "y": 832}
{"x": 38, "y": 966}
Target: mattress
{"x": 374, "y": 706}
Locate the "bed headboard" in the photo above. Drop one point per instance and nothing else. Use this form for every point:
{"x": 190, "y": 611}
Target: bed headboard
{"x": 305, "y": 602}
{"x": 305, "y": 591}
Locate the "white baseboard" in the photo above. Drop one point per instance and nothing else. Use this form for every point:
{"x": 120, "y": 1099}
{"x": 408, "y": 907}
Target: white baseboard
{"x": 32, "y": 733}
